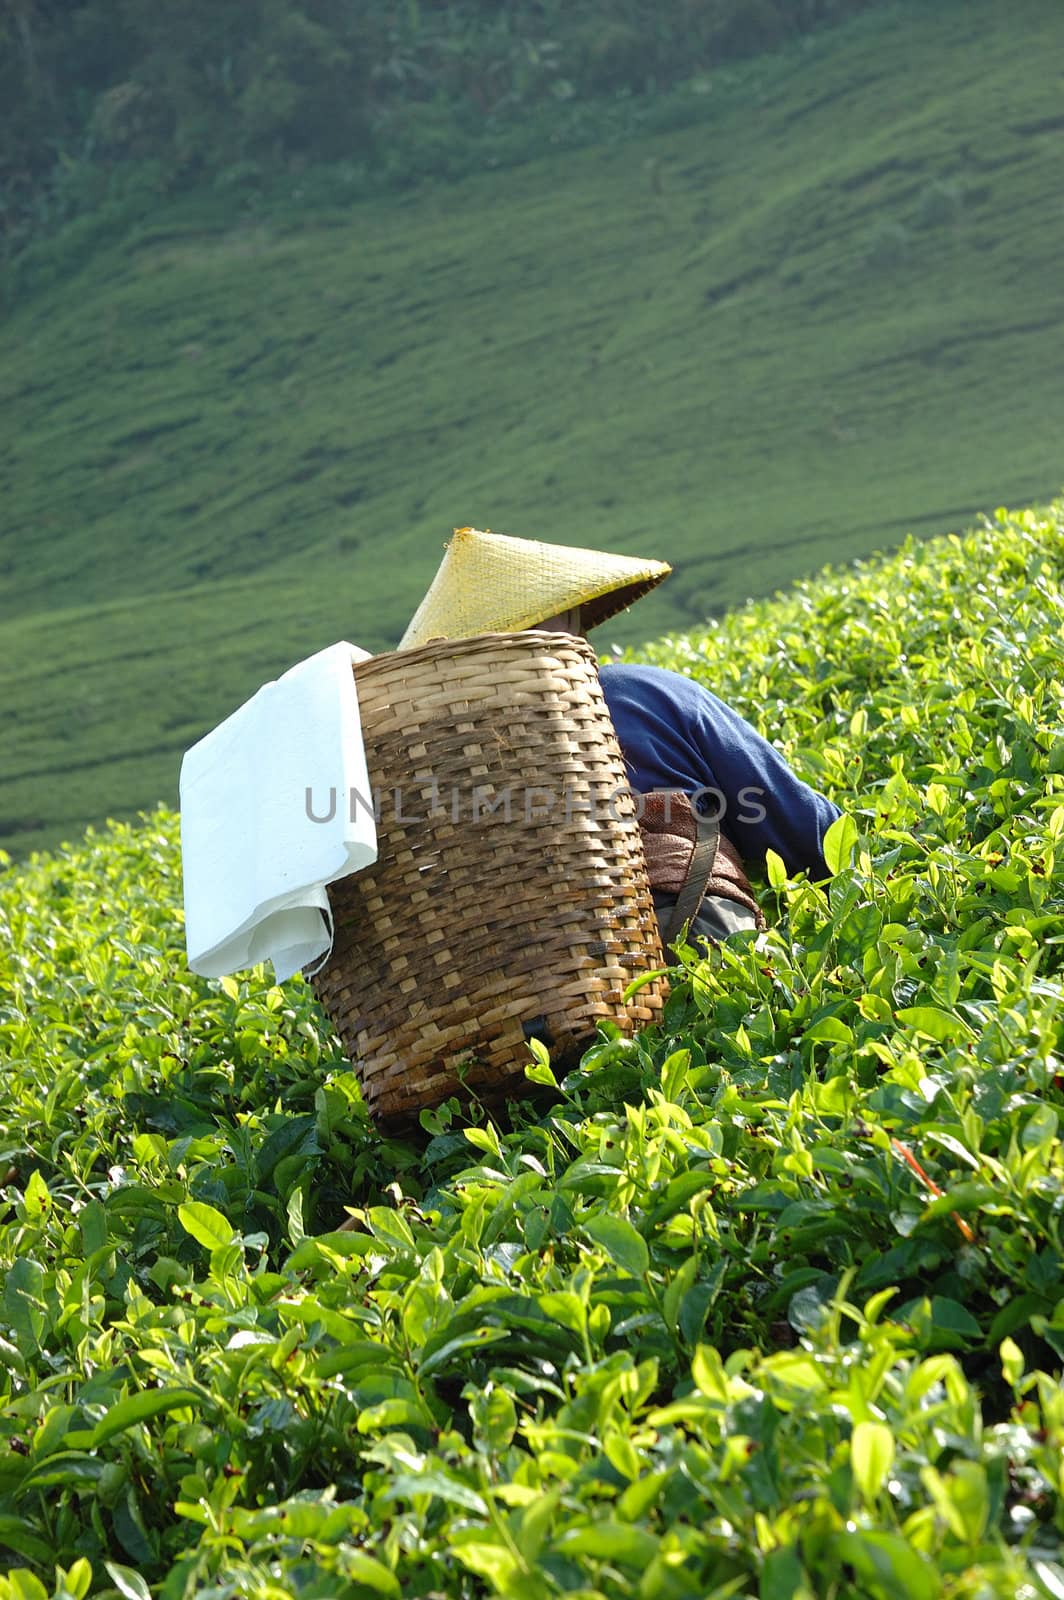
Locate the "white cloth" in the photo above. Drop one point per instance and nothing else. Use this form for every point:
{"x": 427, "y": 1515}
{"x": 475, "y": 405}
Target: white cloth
{"x": 275, "y": 804}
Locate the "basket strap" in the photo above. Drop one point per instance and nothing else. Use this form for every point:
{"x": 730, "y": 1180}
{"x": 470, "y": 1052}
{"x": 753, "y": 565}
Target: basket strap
{"x": 703, "y": 857}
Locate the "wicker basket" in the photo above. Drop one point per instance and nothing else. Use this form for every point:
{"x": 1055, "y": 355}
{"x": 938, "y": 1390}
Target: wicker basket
{"x": 510, "y": 898}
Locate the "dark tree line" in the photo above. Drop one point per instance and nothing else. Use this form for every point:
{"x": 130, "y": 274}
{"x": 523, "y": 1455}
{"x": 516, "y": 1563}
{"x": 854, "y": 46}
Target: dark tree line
{"x": 199, "y": 85}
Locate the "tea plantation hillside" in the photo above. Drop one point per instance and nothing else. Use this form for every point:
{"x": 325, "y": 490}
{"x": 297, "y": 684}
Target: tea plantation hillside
{"x": 786, "y": 313}
{"x": 768, "y": 1302}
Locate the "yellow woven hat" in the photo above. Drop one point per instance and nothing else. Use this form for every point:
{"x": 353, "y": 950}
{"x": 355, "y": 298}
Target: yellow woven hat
{"x": 491, "y": 583}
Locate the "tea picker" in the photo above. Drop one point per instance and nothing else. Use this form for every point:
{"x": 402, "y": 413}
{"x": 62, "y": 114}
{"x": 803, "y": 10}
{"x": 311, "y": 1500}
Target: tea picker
{"x": 452, "y": 840}
{"x": 711, "y": 791}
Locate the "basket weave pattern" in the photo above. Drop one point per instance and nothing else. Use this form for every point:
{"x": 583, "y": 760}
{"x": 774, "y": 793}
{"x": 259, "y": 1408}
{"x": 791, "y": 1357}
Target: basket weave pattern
{"x": 476, "y": 929}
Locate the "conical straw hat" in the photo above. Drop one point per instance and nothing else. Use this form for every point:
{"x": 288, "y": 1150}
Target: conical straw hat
{"x": 491, "y": 583}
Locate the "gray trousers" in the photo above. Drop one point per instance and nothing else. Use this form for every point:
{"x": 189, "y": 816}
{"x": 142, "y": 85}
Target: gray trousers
{"x": 715, "y": 919}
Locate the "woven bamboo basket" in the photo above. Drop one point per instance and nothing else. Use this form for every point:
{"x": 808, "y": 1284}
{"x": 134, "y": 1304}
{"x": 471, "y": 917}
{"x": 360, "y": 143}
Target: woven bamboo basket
{"x": 510, "y": 897}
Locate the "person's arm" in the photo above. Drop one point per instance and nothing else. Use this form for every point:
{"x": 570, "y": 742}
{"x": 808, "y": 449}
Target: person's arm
{"x": 676, "y": 734}
{"x": 767, "y": 806}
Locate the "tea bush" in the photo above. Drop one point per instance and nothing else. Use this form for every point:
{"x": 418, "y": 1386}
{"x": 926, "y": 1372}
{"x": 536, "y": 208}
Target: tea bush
{"x": 768, "y": 1301}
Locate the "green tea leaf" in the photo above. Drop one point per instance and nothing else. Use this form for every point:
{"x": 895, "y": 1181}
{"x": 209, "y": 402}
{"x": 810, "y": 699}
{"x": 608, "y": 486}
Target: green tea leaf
{"x": 782, "y": 1576}
{"x": 25, "y": 1585}
{"x": 206, "y": 1225}
{"x": 775, "y": 870}
{"x": 37, "y": 1199}
{"x": 130, "y": 1584}
{"x": 564, "y": 1308}
{"x": 887, "y": 1564}
{"x": 831, "y": 1029}
{"x": 1040, "y": 1128}
{"x": 871, "y": 1457}
{"x": 67, "y": 1468}
{"x": 1050, "y": 1575}
{"x": 961, "y": 1495}
{"x": 371, "y": 1573}
{"x": 78, "y": 1578}
{"x": 494, "y": 1418}
{"x": 951, "y": 1315}
{"x": 438, "y": 1482}
{"x": 138, "y": 1408}
{"x": 944, "y": 1026}
{"x": 707, "y": 1370}
{"x": 1011, "y": 1362}
{"x": 607, "y": 1540}
{"x": 24, "y": 1538}
{"x": 840, "y": 841}
{"x": 622, "y": 1242}
{"x": 24, "y": 1307}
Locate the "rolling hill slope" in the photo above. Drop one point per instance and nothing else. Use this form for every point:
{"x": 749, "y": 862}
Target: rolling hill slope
{"x": 825, "y": 313}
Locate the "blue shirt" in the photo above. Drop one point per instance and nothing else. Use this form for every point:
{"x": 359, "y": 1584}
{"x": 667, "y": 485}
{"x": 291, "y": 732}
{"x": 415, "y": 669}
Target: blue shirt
{"x": 674, "y": 734}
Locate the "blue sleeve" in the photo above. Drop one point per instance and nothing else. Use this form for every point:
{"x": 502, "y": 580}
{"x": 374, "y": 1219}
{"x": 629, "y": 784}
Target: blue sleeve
{"x": 676, "y": 734}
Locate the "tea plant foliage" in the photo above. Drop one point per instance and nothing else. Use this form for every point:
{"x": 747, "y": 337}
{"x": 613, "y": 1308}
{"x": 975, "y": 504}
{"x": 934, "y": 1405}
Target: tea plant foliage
{"x": 766, "y": 1302}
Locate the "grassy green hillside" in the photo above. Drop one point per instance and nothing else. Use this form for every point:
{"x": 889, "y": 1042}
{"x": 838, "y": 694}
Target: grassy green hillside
{"x": 827, "y": 312}
{"x": 767, "y": 1303}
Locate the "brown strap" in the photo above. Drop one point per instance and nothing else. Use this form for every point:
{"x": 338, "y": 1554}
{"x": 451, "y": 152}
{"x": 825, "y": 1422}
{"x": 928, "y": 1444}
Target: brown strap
{"x": 699, "y": 869}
